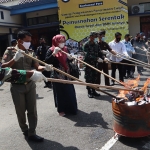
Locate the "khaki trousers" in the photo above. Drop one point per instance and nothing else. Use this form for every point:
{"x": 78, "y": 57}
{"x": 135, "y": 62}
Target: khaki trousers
{"x": 24, "y": 98}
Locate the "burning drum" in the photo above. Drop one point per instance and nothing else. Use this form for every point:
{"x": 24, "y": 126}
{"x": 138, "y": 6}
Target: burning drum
{"x": 131, "y": 121}
{"x": 131, "y": 110}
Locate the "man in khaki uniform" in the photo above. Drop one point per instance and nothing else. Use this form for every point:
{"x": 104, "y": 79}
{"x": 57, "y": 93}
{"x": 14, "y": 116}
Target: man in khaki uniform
{"x": 24, "y": 95}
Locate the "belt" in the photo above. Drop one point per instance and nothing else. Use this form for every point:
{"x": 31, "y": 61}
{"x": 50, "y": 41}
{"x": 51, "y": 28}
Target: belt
{"x": 22, "y": 83}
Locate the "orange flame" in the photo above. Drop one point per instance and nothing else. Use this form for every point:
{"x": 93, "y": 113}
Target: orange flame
{"x": 132, "y": 83}
{"x": 129, "y": 84}
{"x": 122, "y": 93}
{"x": 144, "y": 88}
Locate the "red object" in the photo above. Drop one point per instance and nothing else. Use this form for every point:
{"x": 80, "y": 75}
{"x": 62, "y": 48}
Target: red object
{"x": 60, "y": 56}
{"x": 131, "y": 121}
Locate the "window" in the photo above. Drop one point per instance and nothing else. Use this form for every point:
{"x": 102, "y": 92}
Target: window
{"x": 1, "y": 14}
{"x": 43, "y": 20}
{"x": 53, "y": 18}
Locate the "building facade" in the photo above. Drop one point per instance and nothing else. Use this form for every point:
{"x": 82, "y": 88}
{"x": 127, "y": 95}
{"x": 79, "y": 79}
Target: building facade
{"x": 139, "y": 17}
{"x": 40, "y": 17}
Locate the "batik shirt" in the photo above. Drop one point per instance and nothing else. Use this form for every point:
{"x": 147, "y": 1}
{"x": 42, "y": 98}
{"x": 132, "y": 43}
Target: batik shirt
{"x": 92, "y": 54}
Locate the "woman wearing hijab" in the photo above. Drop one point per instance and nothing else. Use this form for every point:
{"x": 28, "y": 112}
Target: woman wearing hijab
{"x": 64, "y": 94}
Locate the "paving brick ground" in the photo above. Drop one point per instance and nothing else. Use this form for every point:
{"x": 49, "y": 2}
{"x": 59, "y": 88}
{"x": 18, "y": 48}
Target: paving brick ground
{"x": 89, "y": 130}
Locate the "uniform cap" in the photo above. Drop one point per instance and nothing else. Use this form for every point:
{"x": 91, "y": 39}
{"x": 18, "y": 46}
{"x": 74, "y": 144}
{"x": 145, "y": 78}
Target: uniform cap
{"x": 93, "y": 33}
{"x": 102, "y": 32}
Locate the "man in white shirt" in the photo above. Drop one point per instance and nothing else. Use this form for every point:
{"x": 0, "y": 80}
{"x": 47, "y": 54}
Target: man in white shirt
{"x": 118, "y": 47}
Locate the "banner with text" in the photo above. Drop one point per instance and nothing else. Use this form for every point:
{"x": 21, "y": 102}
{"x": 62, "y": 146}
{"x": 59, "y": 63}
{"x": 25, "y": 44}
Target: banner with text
{"x": 79, "y": 17}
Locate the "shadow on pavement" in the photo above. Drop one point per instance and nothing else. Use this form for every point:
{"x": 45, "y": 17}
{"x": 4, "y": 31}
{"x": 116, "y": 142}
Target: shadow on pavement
{"x": 138, "y": 143}
{"x": 49, "y": 145}
{"x": 94, "y": 119}
{"x": 104, "y": 98}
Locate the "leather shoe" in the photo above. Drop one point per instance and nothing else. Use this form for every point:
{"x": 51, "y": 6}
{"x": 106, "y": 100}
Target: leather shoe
{"x": 90, "y": 95}
{"x": 35, "y": 138}
{"x": 96, "y": 94}
{"x": 25, "y": 133}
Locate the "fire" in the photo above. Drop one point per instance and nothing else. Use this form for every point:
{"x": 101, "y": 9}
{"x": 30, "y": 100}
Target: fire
{"x": 129, "y": 84}
{"x": 132, "y": 83}
{"x": 144, "y": 88}
{"x": 122, "y": 94}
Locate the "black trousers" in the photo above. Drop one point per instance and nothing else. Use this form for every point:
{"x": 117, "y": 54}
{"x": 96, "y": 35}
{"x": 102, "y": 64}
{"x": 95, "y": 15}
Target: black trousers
{"x": 128, "y": 69}
{"x": 103, "y": 66}
{"x": 120, "y": 69}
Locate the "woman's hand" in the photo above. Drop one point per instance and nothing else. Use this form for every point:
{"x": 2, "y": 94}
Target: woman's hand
{"x": 56, "y": 50}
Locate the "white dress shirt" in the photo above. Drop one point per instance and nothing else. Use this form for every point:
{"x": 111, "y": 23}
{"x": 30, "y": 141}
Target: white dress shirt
{"x": 119, "y": 48}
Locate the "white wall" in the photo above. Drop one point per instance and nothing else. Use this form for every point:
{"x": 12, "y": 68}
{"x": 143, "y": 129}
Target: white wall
{"x": 14, "y": 2}
{"x": 42, "y": 13}
{"x": 10, "y": 19}
{"x": 134, "y": 25}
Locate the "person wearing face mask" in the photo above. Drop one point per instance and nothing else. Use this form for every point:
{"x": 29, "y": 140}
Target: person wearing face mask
{"x": 24, "y": 94}
{"x": 41, "y": 53}
{"x": 129, "y": 70}
{"x": 103, "y": 65}
{"x": 138, "y": 45}
{"x": 93, "y": 57}
{"x": 64, "y": 94}
{"x": 118, "y": 47}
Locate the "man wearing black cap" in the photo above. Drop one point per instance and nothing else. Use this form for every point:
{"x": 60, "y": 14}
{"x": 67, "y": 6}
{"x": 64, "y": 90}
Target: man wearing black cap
{"x": 92, "y": 57}
{"x": 103, "y": 48}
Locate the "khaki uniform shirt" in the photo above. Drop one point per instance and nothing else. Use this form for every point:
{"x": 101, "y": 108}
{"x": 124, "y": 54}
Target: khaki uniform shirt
{"x": 24, "y": 63}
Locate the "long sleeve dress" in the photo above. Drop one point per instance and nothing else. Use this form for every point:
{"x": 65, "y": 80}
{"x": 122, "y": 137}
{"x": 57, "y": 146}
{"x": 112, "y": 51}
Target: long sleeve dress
{"x": 64, "y": 94}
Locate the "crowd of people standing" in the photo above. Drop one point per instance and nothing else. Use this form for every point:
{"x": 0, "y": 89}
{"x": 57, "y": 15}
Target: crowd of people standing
{"x": 119, "y": 52}
{"x": 98, "y": 53}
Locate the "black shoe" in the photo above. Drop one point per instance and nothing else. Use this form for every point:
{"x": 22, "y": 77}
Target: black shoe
{"x": 95, "y": 93}
{"x": 25, "y": 133}
{"x": 35, "y": 138}
{"x": 90, "y": 95}
{"x": 45, "y": 86}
